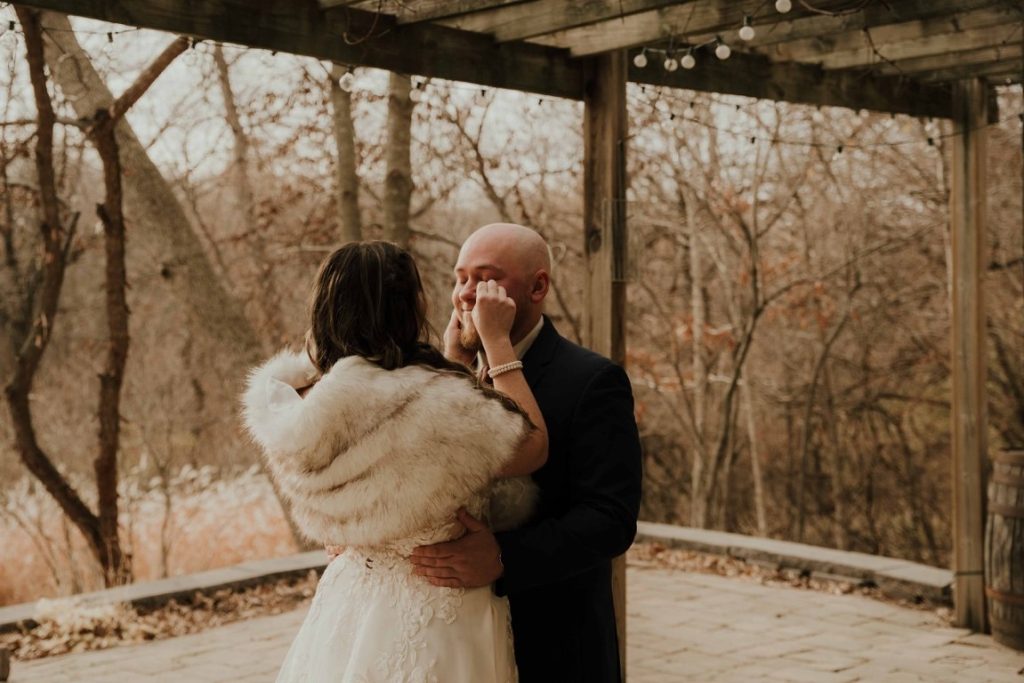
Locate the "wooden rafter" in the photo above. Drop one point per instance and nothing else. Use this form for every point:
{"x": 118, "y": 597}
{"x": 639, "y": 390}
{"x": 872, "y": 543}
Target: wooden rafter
{"x": 872, "y": 17}
{"x": 347, "y": 36}
{"x": 757, "y": 76}
{"x": 350, "y": 35}
{"x": 921, "y": 67}
{"x": 411, "y": 11}
{"x": 986, "y": 28}
{"x": 862, "y": 35}
{"x": 704, "y": 18}
{"x": 994, "y": 72}
{"x": 517, "y": 22}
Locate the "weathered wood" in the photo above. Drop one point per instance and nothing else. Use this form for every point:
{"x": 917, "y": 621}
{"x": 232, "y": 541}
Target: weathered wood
{"x": 711, "y": 17}
{"x": 348, "y": 36}
{"x": 922, "y": 39}
{"x": 520, "y": 21}
{"x": 771, "y": 30}
{"x": 429, "y": 10}
{"x": 757, "y": 76}
{"x": 967, "y": 225}
{"x": 604, "y": 239}
{"x": 921, "y": 67}
{"x": 1004, "y": 549}
{"x": 993, "y": 71}
{"x": 848, "y": 33}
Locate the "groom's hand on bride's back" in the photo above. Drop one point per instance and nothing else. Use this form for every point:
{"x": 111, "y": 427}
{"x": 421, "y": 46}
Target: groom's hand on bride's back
{"x": 471, "y": 561}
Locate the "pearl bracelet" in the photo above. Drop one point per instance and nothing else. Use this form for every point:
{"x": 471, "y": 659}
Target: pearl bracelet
{"x": 504, "y": 367}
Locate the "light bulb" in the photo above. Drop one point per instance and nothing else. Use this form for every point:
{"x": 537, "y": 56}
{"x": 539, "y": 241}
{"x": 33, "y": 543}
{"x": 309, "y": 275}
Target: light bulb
{"x": 783, "y": 6}
{"x": 688, "y": 61}
{"x": 671, "y": 64}
{"x": 346, "y": 81}
{"x": 747, "y": 31}
{"x": 640, "y": 61}
{"x": 415, "y": 95}
{"x": 722, "y": 51}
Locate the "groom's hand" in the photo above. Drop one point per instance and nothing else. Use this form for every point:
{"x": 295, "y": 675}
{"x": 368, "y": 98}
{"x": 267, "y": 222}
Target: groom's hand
{"x": 453, "y": 349}
{"x": 471, "y": 561}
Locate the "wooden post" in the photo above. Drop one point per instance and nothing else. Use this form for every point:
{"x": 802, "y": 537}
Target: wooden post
{"x": 604, "y": 225}
{"x": 967, "y": 211}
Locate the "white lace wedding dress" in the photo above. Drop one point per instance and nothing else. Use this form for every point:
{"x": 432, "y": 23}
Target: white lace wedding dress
{"x": 372, "y": 621}
{"x": 379, "y": 461}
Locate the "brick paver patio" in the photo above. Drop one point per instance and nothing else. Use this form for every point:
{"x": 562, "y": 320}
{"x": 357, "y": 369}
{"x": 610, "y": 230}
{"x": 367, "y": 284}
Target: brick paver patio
{"x": 682, "y": 627}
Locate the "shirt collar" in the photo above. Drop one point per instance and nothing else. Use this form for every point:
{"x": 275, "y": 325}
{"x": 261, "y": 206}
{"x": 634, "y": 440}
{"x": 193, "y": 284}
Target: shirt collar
{"x": 524, "y": 344}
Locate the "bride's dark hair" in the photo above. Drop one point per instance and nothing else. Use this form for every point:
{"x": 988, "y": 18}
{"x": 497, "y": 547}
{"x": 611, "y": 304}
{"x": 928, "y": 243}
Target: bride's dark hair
{"x": 368, "y": 301}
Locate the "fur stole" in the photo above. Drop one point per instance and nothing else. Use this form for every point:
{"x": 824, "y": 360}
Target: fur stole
{"x": 370, "y": 456}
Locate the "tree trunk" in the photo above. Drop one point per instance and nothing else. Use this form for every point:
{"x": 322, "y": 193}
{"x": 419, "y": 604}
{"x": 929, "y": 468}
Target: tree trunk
{"x": 345, "y": 167}
{"x": 699, "y": 495}
{"x": 162, "y": 229}
{"x": 161, "y": 226}
{"x": 118, "y": 568}
{"x": 267, "y": 300}
{"x": 398, "y": 184}
{"x": 755, "y": 458}
{"x": 30, "y": 346}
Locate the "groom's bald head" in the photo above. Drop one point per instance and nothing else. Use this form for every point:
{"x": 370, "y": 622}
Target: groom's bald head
{"x": 517, "y": 258}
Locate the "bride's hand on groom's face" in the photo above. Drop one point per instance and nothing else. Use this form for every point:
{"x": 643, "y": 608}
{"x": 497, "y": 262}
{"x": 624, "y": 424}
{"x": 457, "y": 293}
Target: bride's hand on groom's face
{"x": 493, "y": 312}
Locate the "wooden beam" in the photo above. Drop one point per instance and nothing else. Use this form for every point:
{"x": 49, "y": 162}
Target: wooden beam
{"x": 605, "y": 132}
{"x": 919, "y": 67}
{"x": 347, "y": 36}
{"x": 850, "y": 32}
{"x": 700, "y": 19}
{"x": 969, "y": 238}
{"x": 518, "y": 22}
{"x": 406, "y": 11}
{"x": 993, "y": 71}
{"x": 901, "y": 41}
{"x": 757, "y": 76}
{"x": 875, "y": 15}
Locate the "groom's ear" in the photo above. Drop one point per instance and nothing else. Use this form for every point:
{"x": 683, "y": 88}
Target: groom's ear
{"x": 541, "y": 285}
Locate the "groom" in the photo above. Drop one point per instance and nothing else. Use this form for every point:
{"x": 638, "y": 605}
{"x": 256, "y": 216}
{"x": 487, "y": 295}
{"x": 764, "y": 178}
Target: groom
{"x": 556, "y": 570}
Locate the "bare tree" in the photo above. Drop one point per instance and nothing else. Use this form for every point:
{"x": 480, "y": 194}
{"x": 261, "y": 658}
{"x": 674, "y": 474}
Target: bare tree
{"x": 398, "y": 185}
{"x": 100, "y": 528}
{"x": 347, "y": 178}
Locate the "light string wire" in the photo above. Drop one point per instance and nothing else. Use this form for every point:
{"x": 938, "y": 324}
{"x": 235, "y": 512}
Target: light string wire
{"x": 839, "y": 144}
{"x": 421, "y": 84}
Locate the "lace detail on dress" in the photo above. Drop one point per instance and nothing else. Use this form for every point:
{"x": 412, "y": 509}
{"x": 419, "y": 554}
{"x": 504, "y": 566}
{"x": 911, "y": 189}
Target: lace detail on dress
{"x": 373, "y": 621}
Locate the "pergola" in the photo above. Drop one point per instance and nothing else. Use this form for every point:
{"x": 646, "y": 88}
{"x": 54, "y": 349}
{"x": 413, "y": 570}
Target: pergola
{"x": 931, "y": 58}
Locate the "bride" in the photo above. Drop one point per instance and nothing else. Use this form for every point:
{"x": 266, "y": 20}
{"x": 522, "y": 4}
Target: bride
{"x": 377, "y": 440}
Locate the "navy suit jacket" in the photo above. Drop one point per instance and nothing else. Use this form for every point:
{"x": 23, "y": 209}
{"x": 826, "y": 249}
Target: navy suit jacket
{"x": 558, "y": 566}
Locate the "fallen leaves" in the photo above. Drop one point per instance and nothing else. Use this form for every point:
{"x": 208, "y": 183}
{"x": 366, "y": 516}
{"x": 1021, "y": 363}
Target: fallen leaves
{"x": 67, "y": 625}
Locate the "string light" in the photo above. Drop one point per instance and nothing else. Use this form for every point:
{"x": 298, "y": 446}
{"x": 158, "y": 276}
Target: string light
{"x": 689, "y": 115}
{"x": 722, "y": 51}
{"x": 347, "y": 81}
{"x": 783, "y": 6}
{"x": 415, "y": 95}
{"x": 747, "y": 30}
{"x": 640, "y": 61}
{"x": 671, "y": 63}
{"x": 689, "y": 61}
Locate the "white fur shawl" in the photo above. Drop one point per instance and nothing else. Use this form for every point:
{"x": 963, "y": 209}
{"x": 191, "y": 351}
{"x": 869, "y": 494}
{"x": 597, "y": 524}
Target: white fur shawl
{"x": 369, "y": 456}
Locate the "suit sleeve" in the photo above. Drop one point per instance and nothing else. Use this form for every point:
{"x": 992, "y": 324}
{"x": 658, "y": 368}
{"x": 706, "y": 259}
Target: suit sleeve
{"x": 604, "y": 500}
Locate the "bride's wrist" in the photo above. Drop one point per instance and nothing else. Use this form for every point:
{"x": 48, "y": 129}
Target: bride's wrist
{"x": 498, "y": 351}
